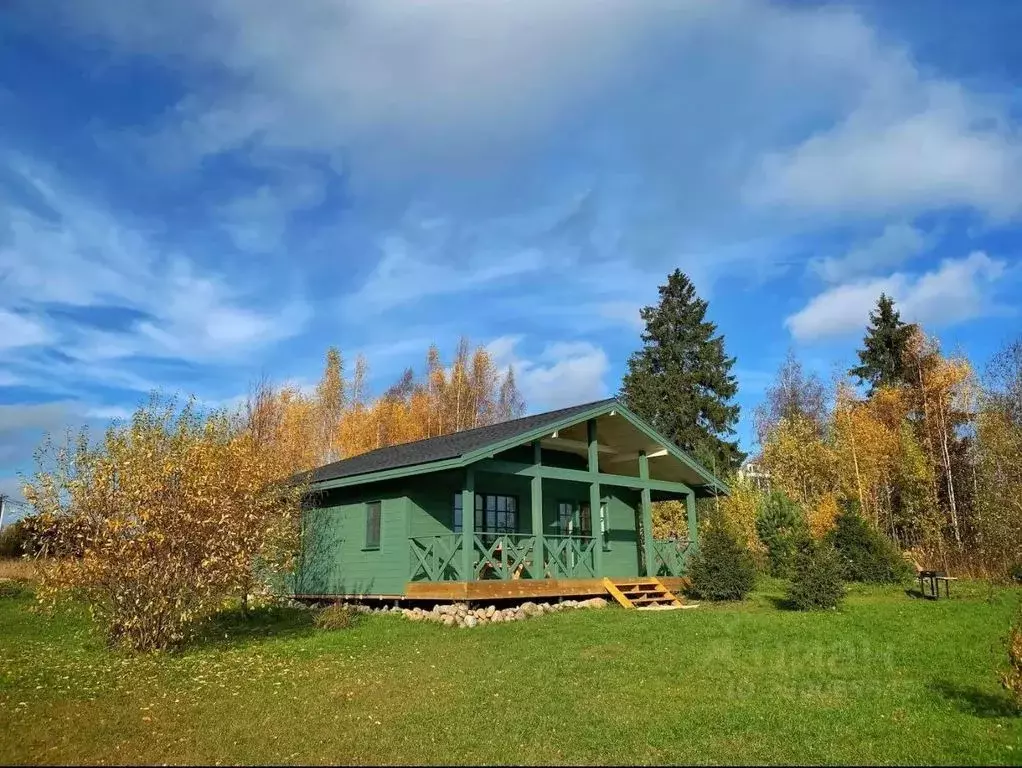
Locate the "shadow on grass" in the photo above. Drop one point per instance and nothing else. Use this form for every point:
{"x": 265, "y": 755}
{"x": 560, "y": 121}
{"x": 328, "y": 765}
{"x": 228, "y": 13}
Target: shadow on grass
{"x": 973, "y": 701}
{"x": 235, "y": 627}
{"x": 915, "y": 594}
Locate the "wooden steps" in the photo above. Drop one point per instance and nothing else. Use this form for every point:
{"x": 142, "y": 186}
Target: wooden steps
{"x": 641, "y": 593}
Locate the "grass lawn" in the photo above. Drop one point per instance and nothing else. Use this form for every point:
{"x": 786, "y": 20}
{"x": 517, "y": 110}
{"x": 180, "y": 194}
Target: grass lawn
{"x": 888, "y": 679}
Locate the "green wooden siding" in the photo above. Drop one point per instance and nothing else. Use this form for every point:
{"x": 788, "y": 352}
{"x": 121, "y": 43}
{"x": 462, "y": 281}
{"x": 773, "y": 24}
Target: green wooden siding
{"x": 335, "y": 560}
{"x": 621, "y": 557}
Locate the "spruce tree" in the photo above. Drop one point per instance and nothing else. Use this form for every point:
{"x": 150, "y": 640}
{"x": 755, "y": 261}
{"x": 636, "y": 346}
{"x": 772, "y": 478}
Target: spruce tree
{"x": 681, "y": 381}
{"x": 881, "y": 358}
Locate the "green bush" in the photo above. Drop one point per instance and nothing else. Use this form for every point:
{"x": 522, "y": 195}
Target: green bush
{"x": 337, "y": 617}
{"x": 816, "y": 582}
{"x": 14, "y": 540}
{"x": 866, "y": 555}
{"x": 780, "y": 525}
{"x": 722, "y": 568}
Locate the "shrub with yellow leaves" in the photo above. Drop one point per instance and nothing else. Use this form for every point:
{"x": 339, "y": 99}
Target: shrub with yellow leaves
{"x": 159, "y": 524}
{"x": 821, "y": 518}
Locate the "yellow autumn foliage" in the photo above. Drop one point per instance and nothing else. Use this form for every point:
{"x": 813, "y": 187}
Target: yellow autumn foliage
{"x": 822, "y": 517}
{"x": 739, "y": 510}
{"x": 161, "y": 521}
{"x": 800, "y": 462}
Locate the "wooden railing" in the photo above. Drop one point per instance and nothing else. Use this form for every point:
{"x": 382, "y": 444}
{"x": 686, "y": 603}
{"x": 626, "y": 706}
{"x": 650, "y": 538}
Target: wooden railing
{"x": 435, "y": 558}
{"x": 502, "y": 556}
{"x": 505, "y": 556}
{"x": 570, "y": 557}
{"x": 670, "y": 556}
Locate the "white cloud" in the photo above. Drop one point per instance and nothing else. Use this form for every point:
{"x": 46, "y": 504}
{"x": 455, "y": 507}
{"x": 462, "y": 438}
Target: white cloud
{"x": 912, "y": 145}
{"x": 17, "y": 330}
{"x": 82, "y": 256}
{"x": 108, "y": 412}
{"x": 447, "y": 75}
{"x": 897, "y": 244}
{"x": 957, "y": 290}
{"x": 409, "y": 272}
{"x": 452, "y": 92}
{"x": 257, "y": 220}
{"x": 563, "y": 374}
{"x": 624, "y": 312}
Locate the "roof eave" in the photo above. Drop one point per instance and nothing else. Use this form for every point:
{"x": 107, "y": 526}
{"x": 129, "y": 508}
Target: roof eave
{"x": 712, "y": 487}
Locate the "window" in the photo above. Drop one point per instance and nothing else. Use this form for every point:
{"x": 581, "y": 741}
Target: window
{"x": 575, "y": 517}
{"x": 493, "y": 514}
{"x": 565, "y": 517}
{"x": 604, "y": 526}
{"x": 372, "y": 525}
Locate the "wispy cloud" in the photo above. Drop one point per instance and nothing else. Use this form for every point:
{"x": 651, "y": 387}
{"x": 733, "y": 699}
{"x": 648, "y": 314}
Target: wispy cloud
{"x": 958, "y": 290}
{"x": 18, "y": 330}
{"x": 912, "y": 145}
{"x": 894, "y": 246}
{"x": 561, "y": 374}
{"x": 383, "y": 175}
{"x": 75, "y": 254}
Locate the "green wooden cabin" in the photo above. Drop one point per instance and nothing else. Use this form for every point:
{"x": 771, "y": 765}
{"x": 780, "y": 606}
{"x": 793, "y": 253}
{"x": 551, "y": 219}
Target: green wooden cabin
{"x": 546, "y": 505}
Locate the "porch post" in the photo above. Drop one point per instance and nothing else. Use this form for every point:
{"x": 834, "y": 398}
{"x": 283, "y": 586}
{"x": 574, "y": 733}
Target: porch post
{"x": 693, "y": 522}
{"x": 647, "y": 517}
{"x": 468, "y": 526}
{"x": 594, "y": 497}
{"x": 538, "y": 569}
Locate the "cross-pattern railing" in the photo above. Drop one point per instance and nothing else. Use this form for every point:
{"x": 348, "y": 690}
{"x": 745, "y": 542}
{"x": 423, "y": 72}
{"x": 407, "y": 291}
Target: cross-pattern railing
{"x": 435, "y": 558}
{"x": 504, "y": 555}
{"x": 570, "y": 557}
{"x": 671, "y": 556}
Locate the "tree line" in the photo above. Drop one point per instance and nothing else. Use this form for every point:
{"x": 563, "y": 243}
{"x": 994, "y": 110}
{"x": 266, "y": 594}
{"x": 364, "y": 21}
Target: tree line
{"x": 924, "y": 448}
{"x": 181, "y": 509}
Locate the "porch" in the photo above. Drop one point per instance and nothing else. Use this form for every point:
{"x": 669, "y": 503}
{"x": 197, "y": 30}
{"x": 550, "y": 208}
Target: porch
{"x": 579, "y": 511}
{"x": 521, "y": 556}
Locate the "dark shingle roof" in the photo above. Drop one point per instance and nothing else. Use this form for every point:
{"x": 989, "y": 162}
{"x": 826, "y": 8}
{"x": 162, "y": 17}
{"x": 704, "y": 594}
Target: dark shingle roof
{"x": 446, "y": 446}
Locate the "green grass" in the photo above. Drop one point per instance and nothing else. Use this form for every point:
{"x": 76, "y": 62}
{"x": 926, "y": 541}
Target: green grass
{"x": 887, "y": 679}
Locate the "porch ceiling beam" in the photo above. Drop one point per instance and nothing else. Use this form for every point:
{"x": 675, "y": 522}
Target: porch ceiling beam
{"x": 579, "y": 475}
{"x": 578, "y": 445}
{"x": 634, "y": 455}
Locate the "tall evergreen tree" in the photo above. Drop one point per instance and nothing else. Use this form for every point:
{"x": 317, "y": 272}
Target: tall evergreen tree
{"x": 681, "y": 381}
{"x": 881, "y": 359}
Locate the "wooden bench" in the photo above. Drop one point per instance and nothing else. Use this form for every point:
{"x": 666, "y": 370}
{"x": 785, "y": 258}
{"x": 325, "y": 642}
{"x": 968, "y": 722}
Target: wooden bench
{"x": 934, "y": 579}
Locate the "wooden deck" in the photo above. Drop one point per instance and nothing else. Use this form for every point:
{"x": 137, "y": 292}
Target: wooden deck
{"x": 495, "y": 589}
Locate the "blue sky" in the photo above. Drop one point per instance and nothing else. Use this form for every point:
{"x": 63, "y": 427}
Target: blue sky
{"x": 193, "y": 194}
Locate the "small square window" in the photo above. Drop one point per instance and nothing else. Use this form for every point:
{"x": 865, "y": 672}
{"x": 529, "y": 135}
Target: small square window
{"x": 373, "y": 525}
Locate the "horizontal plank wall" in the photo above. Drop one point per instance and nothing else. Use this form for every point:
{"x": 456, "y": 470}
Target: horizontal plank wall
{"x": 334, "y": 559}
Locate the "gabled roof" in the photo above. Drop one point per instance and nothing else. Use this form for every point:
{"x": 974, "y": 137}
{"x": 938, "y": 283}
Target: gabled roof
{"x": 461, "y": 448}
{"x": 449, "y": 446}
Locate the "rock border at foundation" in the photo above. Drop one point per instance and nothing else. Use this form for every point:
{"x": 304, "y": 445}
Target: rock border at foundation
{"x": 461, "y": 615}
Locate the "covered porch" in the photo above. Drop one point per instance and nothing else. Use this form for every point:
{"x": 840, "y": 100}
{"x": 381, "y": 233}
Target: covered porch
{"x": 575, "y": 506}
